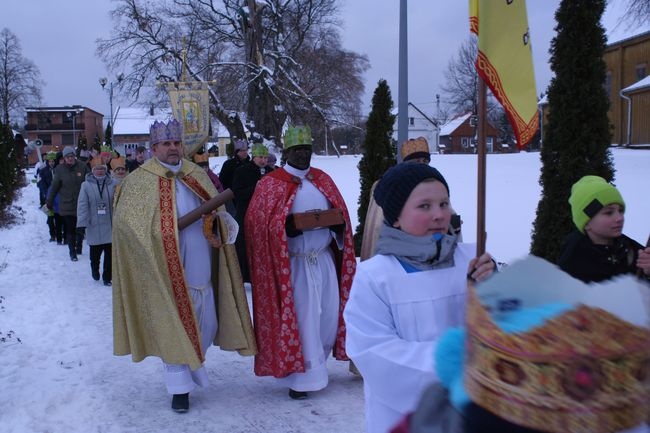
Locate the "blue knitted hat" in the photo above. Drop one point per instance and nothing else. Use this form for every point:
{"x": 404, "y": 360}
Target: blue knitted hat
{"x": 396, "y": 185}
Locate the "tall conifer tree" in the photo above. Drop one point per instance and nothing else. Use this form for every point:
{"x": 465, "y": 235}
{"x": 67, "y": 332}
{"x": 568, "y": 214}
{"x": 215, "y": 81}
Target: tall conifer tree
{"x": 577, "y": 135}
{"x": 378, "y": 151}
{"x": 10, "y": 172}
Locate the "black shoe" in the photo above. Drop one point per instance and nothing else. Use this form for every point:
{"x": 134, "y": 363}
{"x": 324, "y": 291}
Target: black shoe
{"x": 52, "y": 240}
{"x": 73, "y": 257}
{"x": 181, "y": 402}
{"x": 297, "y": 395}
{"x": 96, "y": 275}
{"x": 59, "y": 242}
{"x": 108, "y": 283}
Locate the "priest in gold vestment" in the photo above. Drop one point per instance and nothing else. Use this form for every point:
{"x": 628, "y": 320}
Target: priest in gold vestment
{"x": 175, "y": 293}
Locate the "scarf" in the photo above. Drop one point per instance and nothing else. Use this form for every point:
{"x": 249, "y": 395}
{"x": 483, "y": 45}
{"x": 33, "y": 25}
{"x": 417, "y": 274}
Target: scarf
{"x": 422, "y": 252}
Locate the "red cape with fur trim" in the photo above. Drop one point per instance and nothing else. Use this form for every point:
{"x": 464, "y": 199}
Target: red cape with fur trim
{"x": 276, "y": 325}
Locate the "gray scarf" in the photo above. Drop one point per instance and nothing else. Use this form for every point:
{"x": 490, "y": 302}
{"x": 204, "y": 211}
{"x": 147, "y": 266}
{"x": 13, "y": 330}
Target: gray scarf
{"x": 422, "y": 252}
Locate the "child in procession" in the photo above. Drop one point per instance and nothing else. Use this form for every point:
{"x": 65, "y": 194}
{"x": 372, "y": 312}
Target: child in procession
{"x": 598, "y": 249}
{"x": 409, "y": 293}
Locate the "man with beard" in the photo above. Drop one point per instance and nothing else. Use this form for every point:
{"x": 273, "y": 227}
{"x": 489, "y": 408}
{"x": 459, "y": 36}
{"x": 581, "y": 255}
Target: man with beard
{"x": 301, "y": 272}
{"x": 167, "y": 281}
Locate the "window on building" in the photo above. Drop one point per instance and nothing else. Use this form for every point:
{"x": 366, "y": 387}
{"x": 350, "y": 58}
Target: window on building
{"x": 465, "y": 142}
{"x": 641, "y": 71}
{"x": 46, "y": 139}
{"x": 608, "y": 84}
{"x": 411, "y": 121}
{"x": 44, "y": 121}
{"x": 66, "y": 139}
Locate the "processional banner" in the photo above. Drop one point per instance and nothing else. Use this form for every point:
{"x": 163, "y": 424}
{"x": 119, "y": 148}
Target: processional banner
{"x": 505, "y": 61}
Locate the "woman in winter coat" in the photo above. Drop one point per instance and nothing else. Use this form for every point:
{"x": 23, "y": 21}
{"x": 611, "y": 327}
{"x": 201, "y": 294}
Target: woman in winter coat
{"x": 95, "y": 217}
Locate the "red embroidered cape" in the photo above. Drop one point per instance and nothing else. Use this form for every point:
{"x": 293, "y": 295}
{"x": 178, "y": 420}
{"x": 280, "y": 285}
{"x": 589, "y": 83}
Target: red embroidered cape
{"x": 276, "y": 327}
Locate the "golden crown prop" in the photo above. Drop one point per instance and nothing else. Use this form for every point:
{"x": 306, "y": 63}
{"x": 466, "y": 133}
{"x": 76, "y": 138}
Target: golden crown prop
{"x": 584, "y": 371}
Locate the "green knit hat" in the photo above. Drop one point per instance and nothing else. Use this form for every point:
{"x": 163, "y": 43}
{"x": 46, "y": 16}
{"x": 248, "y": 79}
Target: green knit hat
{"x": 259, "y": 150}
{"x": 50, "y": 156}
{"x": 588, "y": 196}
{"x": 297, "y": 136}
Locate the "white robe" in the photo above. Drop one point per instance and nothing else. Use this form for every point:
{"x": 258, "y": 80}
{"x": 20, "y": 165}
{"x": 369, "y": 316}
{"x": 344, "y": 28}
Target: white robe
{"x": 315, "y": 290}
{"x": 393, "y": 319}
{"x": 195, "y": 256}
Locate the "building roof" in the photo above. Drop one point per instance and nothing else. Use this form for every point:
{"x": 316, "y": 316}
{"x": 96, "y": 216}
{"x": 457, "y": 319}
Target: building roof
{"x": 59, "y": 109}
{"x": 449, "y": 127}
{"x": 137, "y": 120}
{"x": 639, "y": 85}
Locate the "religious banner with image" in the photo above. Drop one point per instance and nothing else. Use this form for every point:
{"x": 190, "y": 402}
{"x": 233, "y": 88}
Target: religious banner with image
{"x": 191, "y": 108}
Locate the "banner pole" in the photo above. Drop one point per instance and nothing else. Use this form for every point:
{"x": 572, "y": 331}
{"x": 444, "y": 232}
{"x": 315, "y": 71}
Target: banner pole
{"x": 481, "y": 152}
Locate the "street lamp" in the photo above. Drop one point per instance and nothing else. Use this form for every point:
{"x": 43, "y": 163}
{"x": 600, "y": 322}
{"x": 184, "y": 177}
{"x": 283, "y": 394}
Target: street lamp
{"x": 103, "y": 81}
{"x": 73, "y": 115}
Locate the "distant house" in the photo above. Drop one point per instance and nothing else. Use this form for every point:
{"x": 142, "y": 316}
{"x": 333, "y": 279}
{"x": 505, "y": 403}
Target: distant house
{"x": 131, "y": 128}
{"x": 457, "y": 136}
{"x": 420, "y": 125}
{"x": 132, "y": 125}
{"x": 58, "y": 127}
{"x": 628, "y": 88}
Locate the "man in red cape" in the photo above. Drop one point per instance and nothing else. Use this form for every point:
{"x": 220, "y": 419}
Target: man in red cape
{"x": 300, "y": 279}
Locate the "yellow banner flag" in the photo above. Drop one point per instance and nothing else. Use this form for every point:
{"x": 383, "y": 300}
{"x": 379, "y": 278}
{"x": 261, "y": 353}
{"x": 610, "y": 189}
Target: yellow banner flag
{"x": 190, "y": 106}
{"x": 505, "y": 61}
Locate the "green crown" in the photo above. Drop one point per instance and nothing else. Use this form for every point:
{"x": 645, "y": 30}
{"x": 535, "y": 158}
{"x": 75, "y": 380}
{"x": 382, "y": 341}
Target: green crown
{"x": 297, "y": 136}
{"x": 260, "y": 150}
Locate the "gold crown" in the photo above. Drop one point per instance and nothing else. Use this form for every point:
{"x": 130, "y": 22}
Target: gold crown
{"x": 584, "y": 371}
{"x": 414, "y": 145}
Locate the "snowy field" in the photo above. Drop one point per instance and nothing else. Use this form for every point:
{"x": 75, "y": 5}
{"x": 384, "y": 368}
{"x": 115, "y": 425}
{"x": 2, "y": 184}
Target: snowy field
{"x": 62, "y": 376}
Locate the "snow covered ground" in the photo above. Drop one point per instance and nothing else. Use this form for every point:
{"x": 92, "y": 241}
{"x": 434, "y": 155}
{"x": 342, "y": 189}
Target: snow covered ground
{"x": 63, "y": 377}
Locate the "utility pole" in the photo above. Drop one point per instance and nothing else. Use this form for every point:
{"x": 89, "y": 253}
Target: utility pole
{"x": 403, "y": 89}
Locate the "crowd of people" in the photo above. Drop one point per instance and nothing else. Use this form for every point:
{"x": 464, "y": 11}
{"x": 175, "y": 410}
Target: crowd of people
{"x": 287, "y": 237}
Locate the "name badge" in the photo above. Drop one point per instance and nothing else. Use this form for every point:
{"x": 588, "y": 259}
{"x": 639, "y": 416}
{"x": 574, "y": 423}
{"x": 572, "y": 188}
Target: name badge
{"x": 101, "y": 209}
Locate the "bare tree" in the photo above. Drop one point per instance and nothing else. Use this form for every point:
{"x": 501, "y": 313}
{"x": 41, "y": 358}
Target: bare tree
{"x": 20, "y": 79}
{"x": 460, "y": 90}
{"x": 637, "y": 12}
{"x": 267, "y": 58}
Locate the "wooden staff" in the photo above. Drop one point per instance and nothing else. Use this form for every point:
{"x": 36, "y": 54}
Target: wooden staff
{"x": 207, "y": 207}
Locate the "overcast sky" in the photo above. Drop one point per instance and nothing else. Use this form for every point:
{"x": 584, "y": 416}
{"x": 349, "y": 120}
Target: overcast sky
{"x": 59, "y": 37}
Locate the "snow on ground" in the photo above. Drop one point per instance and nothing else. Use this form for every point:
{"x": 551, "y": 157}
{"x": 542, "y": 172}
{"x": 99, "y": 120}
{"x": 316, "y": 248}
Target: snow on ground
{"x": 63, "y": 377}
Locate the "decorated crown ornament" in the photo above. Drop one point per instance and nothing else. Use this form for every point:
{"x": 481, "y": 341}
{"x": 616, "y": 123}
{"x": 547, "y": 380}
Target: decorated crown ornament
{"x": 586, "y": 370}
{"x": 297, "y": 136}
{"x": 415, "y": 148}
{"x": 160, "y": 131}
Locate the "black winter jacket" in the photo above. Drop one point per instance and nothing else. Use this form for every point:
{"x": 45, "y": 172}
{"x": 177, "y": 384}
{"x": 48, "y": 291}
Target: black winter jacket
{"x": 586, "y": 261}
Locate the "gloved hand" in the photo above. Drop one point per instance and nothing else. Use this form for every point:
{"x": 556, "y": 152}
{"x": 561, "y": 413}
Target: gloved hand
{"x": 49, "y": 205}
{"x": 81, "y": 231}
{"x": 291, "y": 229}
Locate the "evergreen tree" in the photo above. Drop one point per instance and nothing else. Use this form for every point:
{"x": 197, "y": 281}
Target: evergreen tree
{"x": 378, "y": 151}
{"x": 10, "y": 172}
{"x": 97, "y": 142}
{"x": 108, "y": 134}
{"x": 577, "y": 136}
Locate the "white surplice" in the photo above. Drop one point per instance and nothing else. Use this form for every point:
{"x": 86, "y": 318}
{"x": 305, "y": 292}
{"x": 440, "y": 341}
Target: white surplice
{"x": 393, "y": 320}
{"x": 195, "y": 256}
{"x": 315, "y": 289}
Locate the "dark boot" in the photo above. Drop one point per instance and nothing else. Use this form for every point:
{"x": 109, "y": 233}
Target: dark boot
{"x": 181, "y": 402}
{"x": 297, "y": 395}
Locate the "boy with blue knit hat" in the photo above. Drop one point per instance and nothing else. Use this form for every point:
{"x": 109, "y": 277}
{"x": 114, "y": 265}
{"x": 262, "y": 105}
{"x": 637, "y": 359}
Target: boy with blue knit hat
{"x": 598, "y": 249}
{"x": 411, "y": 291}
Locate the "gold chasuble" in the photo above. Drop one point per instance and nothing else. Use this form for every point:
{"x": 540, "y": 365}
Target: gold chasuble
{"x": 152, "y": 307}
